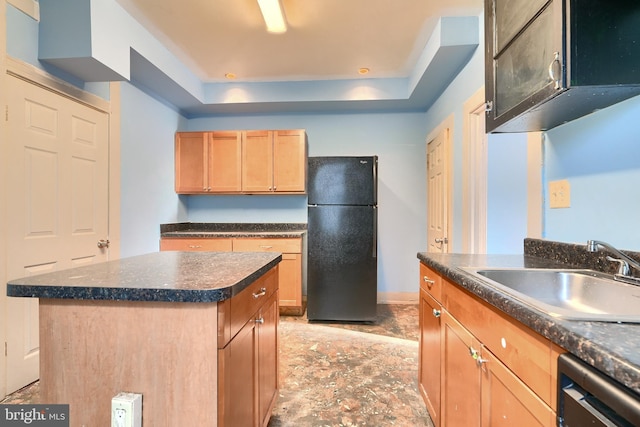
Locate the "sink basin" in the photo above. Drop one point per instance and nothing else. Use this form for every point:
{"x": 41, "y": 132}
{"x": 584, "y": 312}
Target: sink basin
{"x": 566, "y": 293}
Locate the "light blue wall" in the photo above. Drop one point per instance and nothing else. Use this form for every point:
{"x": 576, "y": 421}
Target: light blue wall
{"x": 506, "y": 193}
{"x": 22, "y": 44}
{"x": 399, "y": 141}
{"x": 507, "y": 159}
{"x": 147, "y": 191}
{"x": 600, "y": 157}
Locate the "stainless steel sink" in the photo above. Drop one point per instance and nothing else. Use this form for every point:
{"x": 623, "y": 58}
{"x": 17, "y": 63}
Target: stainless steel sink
{"x": 566, "y": 293}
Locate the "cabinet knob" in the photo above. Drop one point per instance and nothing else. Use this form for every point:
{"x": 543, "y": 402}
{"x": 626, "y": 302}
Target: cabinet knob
{"x": 262, "y": 292}
{"x": 436, "y": 312}
{"x": 475, "y": 354}
{"x": 260, "y": 320}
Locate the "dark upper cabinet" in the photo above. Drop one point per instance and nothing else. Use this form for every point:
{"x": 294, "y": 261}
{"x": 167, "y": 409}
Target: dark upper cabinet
{"x": 551, "y": 61}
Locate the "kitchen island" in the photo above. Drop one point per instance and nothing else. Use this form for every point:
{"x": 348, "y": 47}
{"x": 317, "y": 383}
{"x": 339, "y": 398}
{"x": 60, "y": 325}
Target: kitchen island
{"x": 194, "y": 333}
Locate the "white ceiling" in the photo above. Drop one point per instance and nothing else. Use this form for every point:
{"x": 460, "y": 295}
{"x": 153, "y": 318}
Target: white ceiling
{"x": 326, "y": 39}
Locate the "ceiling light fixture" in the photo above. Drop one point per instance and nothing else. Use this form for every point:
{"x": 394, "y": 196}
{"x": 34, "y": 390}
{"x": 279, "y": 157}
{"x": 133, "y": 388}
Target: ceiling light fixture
{"x": 273, "y": 15}
{"x": 362, "y": 71}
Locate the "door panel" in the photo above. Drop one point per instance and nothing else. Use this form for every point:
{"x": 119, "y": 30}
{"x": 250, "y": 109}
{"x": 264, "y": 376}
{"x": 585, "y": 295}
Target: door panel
{"x": 58, "y": 192}
{"x": 437, "y": 192}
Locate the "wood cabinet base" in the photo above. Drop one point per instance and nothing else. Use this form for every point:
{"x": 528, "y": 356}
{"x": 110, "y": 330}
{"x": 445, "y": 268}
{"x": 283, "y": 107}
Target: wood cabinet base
{"x": 92, "y": 350}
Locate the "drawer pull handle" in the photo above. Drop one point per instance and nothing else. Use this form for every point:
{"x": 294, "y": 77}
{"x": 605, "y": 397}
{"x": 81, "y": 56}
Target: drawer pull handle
{"x": 195, "y": 246}
{"x": 263, "y": 292}
{"x": 436, "y": 312}
{"x": 428, "y": 281}
{"x": 260, "y": 320}
{"x": 266, "y": 246}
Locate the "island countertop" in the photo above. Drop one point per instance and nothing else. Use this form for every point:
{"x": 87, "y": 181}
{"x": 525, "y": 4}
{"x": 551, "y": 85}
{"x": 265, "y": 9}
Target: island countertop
{"x": 161, "y": 276}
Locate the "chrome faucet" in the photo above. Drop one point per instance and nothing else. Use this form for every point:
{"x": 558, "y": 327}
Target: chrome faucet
{"x": 624, "y": 261}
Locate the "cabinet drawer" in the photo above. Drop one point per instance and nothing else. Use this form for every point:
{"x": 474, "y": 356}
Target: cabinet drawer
{"x": 289, "y": 245}
{"x": 431, "y": 282}
{"x": 224, "y": 245}
{"x": 236, "y": 311}
{"x": 525, "y": 352}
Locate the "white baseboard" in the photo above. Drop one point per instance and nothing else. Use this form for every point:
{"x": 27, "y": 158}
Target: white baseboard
{"x": 398, "y": 297}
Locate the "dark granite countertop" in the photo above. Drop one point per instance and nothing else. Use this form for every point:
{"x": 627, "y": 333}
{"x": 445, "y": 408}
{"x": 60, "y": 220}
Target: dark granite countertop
{"x": 209, "y": 230}
{"x": 160, "y": 276}
{"x": 612, "y": 348}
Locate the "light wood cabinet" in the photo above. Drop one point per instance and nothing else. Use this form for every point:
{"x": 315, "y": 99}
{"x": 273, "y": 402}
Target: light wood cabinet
{"x": 290, "y": 267}
{"x": 274, "y": 161}
{"x": 461, "y": 379}
{"x": 248, "y": 356}
{"x": 494, "y": 371}
{"x": 430, "y": 343}
{"x": 208, "y": 162}
{"x": 241, "y": 162}
{"x": 221, "y": 245}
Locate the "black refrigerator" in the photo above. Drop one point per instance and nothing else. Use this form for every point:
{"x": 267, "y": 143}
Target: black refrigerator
{"x": 342, "y": 281}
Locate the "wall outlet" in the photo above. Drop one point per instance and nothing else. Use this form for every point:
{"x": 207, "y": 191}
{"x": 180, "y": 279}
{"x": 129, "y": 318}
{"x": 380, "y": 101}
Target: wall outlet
{"x": 559, "y": 194}
{"x": 126, "y": 410}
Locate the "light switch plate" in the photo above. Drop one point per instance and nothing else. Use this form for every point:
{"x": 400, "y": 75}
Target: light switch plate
{"x": 559, "y": 194}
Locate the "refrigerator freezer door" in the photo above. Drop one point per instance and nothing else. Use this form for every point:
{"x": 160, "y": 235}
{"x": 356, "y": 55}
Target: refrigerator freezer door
{"x": 342, "y": 180}
{"x": 342, "y": 263}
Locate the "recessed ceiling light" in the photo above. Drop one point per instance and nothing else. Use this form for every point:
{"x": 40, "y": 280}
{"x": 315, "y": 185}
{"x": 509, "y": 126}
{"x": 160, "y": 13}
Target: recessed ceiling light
{"x": 230, "y": 76}
{"x": 362, "y": 71}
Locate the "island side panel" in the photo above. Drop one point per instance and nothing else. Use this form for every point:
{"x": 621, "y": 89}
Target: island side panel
{"x": 92, "y": 350}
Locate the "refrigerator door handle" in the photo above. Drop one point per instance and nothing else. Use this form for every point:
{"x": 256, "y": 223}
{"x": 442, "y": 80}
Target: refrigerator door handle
{"x": 375, "y": 232}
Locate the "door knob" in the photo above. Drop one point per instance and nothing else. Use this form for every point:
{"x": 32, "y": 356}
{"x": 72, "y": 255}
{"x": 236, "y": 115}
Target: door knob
{"x": 103, "y": 243}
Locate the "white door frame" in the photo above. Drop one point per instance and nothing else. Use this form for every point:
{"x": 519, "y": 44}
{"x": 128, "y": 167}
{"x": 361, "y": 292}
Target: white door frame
{"x": 112, "y": 108}
{"x": 474, "y": 175}
{"x": 3, "y": 198}
{"x": 447, "y": 126}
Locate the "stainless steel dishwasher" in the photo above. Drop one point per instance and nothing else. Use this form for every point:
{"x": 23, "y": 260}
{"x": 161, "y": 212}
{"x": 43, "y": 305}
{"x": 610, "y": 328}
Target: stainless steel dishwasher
{"x": 586, "y": 397}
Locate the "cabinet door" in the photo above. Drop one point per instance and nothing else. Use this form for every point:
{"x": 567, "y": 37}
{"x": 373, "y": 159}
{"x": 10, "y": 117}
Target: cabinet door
{"x": 524, "y": 56}
{"x": 191, "y": 149}
{"x": 507, "y": 401}
{"x": 291, "y": 280}
{"x": 267, "y": 322}
{"x": 289, "y": 161}
{"x": 461, "y": 379}
{"x": 225, "y": 161}
{"x": 237, "y": 379}
{"x": 257, "y": 161}
{"x": 429, "y": 354}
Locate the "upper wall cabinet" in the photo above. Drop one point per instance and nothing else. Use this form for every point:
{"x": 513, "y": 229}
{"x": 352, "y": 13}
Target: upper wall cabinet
{"x": 241, "y": 162}
{"x": 551, "y": 61}
{"x": 208, "y": 162}
{"x": 274, "y": 161}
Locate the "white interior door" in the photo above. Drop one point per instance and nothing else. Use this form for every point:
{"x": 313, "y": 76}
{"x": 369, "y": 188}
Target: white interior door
{"x": 474, "y": 176}
{"x": 58, "y": 193}
{"x": 437, "y": 192}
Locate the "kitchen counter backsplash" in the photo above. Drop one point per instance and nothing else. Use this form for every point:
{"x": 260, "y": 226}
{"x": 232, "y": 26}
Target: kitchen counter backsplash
{"x": 575, "y": 255}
